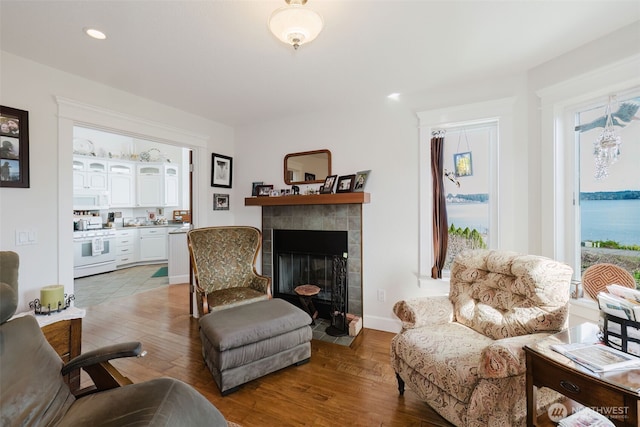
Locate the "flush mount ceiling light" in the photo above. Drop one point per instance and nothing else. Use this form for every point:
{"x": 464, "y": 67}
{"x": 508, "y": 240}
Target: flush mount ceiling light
{"x": 295, "y": 24}
{"x": 96, "y": 34}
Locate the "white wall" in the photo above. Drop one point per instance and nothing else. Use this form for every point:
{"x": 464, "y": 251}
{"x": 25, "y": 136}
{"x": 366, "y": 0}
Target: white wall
{"x": 43, "y": 207}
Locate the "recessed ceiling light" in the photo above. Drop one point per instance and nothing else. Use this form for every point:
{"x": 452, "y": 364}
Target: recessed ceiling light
{"x": 96, "y": 34}
{"x": 394, "y": 95}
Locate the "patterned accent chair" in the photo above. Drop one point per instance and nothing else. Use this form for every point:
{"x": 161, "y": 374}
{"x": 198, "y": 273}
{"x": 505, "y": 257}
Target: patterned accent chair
{"x": 224, "y": 265}
{"x": 463, "y": 353}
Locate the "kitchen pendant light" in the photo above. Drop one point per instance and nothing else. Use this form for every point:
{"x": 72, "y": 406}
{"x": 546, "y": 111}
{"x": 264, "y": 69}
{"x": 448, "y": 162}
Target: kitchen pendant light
{"x": 295, "y": 24}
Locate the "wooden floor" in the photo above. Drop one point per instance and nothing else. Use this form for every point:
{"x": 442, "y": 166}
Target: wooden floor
{"x": 339, "y": 386}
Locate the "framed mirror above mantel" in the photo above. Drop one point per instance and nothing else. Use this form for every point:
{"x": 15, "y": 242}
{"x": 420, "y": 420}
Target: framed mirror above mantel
{"x": 307, "y": 167}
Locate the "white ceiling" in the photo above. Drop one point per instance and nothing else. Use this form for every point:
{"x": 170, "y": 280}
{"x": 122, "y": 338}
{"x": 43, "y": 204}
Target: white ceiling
{"x": 218, "y": 59}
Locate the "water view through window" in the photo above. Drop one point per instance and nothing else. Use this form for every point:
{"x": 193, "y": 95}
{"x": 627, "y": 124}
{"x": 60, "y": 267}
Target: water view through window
{"x": 467, "y": 183}
{"x": 609, "y": 206}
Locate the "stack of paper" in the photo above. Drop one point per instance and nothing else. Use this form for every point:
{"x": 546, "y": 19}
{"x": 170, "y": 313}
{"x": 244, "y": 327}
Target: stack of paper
{"x": 620, "y": 302}
{"x": 586, "y": 417}
{"x": 598, "y": 357}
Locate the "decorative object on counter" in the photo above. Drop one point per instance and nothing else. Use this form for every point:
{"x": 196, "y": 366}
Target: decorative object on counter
{"x": 221, "y": 170}
{"x": 184, "y": 216}
{"x": 274, "y": 193}
{"x": 295, "y": 190}
{"x": 52, "y": 300}
{"x": 345, "y": 183}
{"x": 220, "y": 202}
{"x": 329, "y": 182}
{"x": 14, "y": 148}
{"x": 254, "y": 187}
{"x": 361, "y": 180}
{"x": 263, "y": 190}
{"x": 285, "y": 192}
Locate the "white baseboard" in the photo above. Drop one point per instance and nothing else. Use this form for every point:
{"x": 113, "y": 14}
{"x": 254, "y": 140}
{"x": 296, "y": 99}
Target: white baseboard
{"x": 381, "y": 324}
{"x": 174, "y": 280}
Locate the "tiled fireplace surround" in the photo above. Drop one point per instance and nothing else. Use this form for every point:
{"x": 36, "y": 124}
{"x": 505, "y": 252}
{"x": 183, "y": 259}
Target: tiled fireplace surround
{"x": 339, "y": 217}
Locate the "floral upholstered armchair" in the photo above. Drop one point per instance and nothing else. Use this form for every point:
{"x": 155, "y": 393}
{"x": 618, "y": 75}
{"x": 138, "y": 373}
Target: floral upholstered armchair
{"x": 224, "y": 265}
{"x": 463, "y": 353}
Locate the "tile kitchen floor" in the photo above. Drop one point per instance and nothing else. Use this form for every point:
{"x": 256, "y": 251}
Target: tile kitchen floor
{"x": 101, "y": 288}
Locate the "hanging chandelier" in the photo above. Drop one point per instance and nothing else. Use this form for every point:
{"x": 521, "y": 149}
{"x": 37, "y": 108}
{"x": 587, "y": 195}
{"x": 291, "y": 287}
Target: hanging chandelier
{"x": 606, "y": 148}
{"x": 294, "y": 24}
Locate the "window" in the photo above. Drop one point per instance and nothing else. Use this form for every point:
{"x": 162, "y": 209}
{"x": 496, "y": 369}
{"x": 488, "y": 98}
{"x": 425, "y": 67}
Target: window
{"x": 467, "y": 161}
{"x": 487, "y": 125}
{"x": 607, "y": 208}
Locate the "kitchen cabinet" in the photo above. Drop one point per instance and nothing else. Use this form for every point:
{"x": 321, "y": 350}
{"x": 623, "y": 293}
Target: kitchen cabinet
{"x": 121, "y": 184}
{"x": 128, "y": 183}
{"x": 89, "y": 174}
{"x": 153, "y": 243}
{"x": 171, "y": 186}
{"x": 127, "y": 246}
{"x": 149, "y": 185}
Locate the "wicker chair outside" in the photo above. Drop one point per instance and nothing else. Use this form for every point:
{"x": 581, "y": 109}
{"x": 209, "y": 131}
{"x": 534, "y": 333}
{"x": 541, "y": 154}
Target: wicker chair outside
{"x": 597, "y": 277}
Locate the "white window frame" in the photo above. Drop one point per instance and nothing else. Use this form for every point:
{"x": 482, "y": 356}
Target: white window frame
{"x": 559, "y": 219}
{"x": 558, "y": 181}
{"x": 502, "y": 111}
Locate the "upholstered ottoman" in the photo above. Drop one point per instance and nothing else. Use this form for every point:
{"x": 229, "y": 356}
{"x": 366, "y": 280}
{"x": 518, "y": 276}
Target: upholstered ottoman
{"x": 242, "y": 343}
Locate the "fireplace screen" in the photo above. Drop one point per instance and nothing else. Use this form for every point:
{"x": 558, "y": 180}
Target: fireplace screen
{"x": 306, "y": 257}
{"x": 305, "y": 269}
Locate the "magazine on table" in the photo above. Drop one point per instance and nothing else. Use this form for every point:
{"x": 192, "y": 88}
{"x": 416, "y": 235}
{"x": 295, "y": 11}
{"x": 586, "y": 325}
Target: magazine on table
{"x": 598, "y": 357}
{"x": 618, "y": 306}
{"x": 585, "y": 417}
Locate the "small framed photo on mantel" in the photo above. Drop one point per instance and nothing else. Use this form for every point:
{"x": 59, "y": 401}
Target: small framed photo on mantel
{"x": 345, "y": 183}
{"x": 361, "y": 180}
{"x": 329, "y": 182}
{"x": 264, "y": 190}
{"x": 14, "y": 147}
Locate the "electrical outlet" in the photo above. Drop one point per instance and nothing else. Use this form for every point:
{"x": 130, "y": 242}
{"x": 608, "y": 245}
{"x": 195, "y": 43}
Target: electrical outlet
{"x": 382, "y": 295}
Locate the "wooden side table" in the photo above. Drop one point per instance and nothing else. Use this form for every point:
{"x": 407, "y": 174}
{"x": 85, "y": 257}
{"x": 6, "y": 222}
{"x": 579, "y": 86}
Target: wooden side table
{"x": 615, "y": 394}
{"x": 63, "y": 330}
{"x": 306, "y": 294}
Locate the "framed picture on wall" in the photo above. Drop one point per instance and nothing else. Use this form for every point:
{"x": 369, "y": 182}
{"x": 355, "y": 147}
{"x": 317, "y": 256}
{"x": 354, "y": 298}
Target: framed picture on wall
{"x": 220, "y": 202}
{"x": 462, "y": 164}
{"x": 221, "y": 170}
{"x": 14, "y": 147}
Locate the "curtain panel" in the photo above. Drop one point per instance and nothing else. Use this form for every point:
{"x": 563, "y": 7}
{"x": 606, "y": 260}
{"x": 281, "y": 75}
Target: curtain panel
{"x": 440, "y": 223}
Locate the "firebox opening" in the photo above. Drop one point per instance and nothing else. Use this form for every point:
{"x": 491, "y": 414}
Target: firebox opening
{"x": 305, "y": 257}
